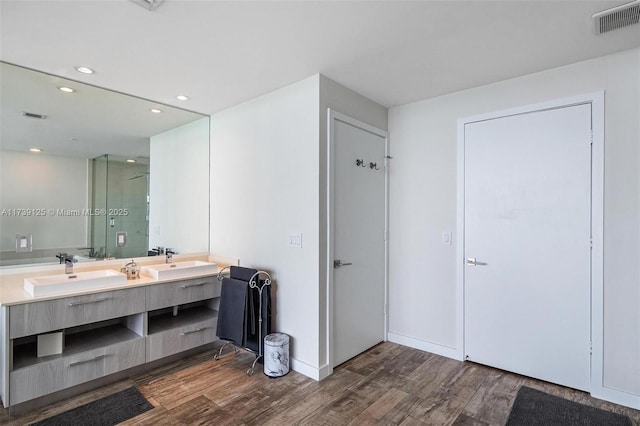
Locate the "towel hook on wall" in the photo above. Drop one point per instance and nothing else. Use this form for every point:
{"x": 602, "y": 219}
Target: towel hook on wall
{"x": 373, "y": 166}
{"x": 360, "y": 163}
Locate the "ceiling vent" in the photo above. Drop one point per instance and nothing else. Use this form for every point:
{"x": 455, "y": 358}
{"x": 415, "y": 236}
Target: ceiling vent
{"x": 150, "y": 5}
{"x": 33, "y": 115}
{"x": 616, "y": 17}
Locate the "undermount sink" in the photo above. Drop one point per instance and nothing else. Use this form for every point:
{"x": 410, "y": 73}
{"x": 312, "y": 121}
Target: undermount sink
{"x": 62, "y": 283}
{"x": 179, "y": 269}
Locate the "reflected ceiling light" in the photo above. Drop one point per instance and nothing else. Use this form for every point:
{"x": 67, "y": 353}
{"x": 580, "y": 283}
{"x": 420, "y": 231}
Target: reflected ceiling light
{"x": 66, "y": 89}
{"x": 155, "y": 110}
{"x": 33, "y": 115}
{"x": 35, "y": 149}
{"x": 182, "y": 98}
{"x": 130, "y": 160}
{"x": 84, "y": 70}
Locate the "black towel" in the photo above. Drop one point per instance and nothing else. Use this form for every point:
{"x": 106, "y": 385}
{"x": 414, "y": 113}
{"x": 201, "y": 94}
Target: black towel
{"x": 231, "y": 313}
{"x": 241, "y": 273}
{"x": 251, "y": 318}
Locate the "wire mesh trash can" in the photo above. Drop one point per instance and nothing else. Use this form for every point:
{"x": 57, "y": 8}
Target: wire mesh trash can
{"x": 276, "y": 354}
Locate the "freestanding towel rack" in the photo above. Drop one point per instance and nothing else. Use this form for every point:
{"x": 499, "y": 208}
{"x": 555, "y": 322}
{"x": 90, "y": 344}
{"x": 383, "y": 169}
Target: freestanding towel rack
{"x": 258, "y": 283}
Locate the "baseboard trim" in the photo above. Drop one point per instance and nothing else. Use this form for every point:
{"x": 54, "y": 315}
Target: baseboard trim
{"x": 423, "y": 345}
{"x": 314, "y": 373}
{"x": 617, "y": 397}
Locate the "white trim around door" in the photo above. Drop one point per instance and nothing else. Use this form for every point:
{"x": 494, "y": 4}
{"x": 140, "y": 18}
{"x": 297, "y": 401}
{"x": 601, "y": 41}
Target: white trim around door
{"x": 596, "y": 99}
{"x": 332, "y": 117}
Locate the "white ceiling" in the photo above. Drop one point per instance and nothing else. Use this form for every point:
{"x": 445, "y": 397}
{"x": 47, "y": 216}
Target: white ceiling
{"x": 221, "y": 53}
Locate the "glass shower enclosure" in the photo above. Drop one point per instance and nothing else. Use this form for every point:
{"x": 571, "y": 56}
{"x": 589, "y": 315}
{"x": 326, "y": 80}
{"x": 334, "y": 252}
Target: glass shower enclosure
{"x": 120, "y": 202}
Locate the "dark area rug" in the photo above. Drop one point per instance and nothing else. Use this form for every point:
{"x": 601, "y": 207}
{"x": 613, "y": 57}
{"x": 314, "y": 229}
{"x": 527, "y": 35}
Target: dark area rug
{"x": 533, "y": 407}
{"x": 109, "y": 410}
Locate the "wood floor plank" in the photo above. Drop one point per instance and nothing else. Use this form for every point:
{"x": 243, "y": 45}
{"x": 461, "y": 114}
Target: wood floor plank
{"x": 410, "y": 421}
{"x": 389, "y": 385}
{"x": 380, "y": 408}
{"x": 464, "y": 420}
{"x": 339, "y": 411}
{"x": 373, "y": 359}
{"x": 296, "y": 406}
{"x": 406, "y": 362}
{"x": 400, "y": 412}
{"x": 492, "y": 401}
{"x": 430, "y": 376}
{"x": 169, "y": 391}
{"x": 444, "y": 405}
{"x": 198, "y": 411}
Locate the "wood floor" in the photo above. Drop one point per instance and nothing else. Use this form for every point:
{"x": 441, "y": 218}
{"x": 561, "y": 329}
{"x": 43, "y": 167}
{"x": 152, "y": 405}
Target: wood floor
{"x": 389, "y": 384}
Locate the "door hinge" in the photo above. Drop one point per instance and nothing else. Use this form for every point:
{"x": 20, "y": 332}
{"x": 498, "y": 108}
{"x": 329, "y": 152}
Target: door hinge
{"x": 591, "y": 137}
{"x": 590, "y": 348}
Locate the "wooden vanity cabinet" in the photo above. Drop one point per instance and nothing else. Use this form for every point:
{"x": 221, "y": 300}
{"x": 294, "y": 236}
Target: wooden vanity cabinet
{"x": 104, "y": 333}
{"x": 181, "y": 315}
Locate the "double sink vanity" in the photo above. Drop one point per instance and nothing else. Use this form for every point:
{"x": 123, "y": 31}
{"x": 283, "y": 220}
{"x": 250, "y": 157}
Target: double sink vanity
{"x": 100, "y": 322}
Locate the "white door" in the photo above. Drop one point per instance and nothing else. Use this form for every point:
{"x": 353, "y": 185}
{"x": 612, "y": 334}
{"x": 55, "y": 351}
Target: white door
{"x": 358, "y": 259}
{"x": 527, "y": 228}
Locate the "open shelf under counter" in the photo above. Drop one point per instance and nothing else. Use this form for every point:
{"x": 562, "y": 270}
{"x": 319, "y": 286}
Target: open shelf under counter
{"x": 25, "y": 350}
{"x": 164, "y": 320}
{"x": 193, "y": 326}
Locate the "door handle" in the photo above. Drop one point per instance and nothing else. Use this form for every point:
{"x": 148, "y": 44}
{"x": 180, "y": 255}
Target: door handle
{"x": 338, "y": 263}
{"x": 473, "y": 262}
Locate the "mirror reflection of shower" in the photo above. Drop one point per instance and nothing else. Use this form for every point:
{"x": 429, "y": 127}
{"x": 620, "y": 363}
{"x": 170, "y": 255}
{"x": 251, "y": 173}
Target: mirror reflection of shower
{"x": 121, "y": 190}
{"x": 138, "y": 175}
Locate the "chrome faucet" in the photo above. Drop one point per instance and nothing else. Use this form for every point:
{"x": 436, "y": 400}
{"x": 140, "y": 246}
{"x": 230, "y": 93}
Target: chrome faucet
{"x": 68, "y": 265}
{"x": 170, "y": 252}
{"x": 92, "y": 252}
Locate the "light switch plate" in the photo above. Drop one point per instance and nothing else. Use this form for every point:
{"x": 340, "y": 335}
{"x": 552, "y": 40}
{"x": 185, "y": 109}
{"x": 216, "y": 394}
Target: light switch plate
{"x": 121, "y": 239}
{"x": 23, "y": 243}
{"x": 446, "y": 238}
{"x": 294, "y": 240}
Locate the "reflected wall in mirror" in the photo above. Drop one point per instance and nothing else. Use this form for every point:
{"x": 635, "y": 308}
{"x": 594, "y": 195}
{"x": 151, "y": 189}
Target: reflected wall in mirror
{"x": 107, "y": 166}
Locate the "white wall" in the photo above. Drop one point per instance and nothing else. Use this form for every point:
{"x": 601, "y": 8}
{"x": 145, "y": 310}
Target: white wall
{"x": 423, "y": 205}
{"x": 40, "y": 181}
{"x": 179, "y": 188}
{"x": 268, "y": 171}
{"x": 264, "y": 185}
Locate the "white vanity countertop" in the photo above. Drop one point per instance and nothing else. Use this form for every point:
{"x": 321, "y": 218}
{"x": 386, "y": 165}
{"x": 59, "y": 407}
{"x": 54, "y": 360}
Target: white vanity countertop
{"x": 12, "y": 281}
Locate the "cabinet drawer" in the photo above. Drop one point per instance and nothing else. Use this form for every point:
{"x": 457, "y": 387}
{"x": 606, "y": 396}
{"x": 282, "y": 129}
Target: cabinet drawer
{"x": 51, "y": 376}
{"x": 181, "y": 292}
{"x": 39, "y": 317}
{"x": 180, "y": 339}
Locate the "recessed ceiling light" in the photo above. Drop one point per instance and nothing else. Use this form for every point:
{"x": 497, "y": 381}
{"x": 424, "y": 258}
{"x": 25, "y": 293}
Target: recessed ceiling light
{"x": 84, "y": 70}
{"x": 155, "y": 110}
{"x": 35, "y": 149}
{"x": 182, "y": 98}
{"x": 130, "y": 160}
{"x": 66, "y": 89}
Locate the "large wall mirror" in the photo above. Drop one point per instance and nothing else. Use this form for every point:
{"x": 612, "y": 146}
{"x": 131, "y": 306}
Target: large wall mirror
{"x": 97, "y": 174}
